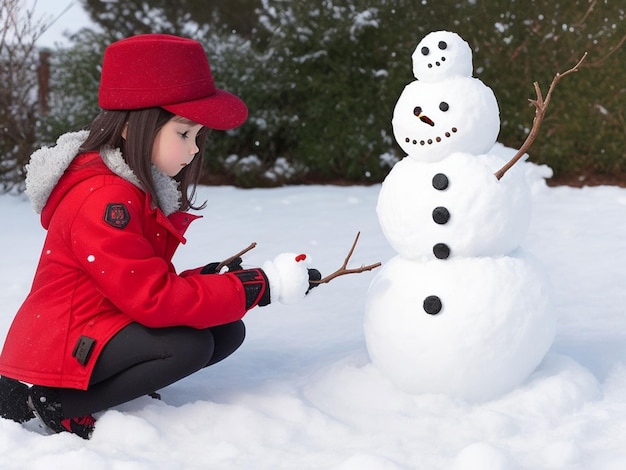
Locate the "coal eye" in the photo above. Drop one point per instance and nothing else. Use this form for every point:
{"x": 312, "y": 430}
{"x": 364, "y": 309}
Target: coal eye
{"x": 444, "y": 106}
{"x": 442, "y": 45}
{"x": 417, "y": 111}
{"x": 425, "y": 51}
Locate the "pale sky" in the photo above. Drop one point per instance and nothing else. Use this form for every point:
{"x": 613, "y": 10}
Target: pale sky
{"x": 72, "y": 18}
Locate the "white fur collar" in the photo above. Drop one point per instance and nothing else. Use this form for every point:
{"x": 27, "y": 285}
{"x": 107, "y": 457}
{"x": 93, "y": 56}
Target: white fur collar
{"x": 48, "y": 164}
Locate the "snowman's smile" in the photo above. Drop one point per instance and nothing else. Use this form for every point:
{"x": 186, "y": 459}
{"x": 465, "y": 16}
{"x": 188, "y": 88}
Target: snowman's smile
{"x": 433, "y": 140}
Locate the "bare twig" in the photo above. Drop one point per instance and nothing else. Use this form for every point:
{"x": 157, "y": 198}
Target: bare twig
{"x": 344, "y": 267}
{"x": 228, "y": 260}
{"x": 541, "y": 106}
{"x": 592, "y": 5}
{"x": 600, "y": 62}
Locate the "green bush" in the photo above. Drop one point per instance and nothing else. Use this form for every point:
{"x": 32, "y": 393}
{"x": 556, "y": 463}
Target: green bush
{"x": 75, "y": 76}
{"x": 321, "y": 80}
{"x": 584, "y": 131}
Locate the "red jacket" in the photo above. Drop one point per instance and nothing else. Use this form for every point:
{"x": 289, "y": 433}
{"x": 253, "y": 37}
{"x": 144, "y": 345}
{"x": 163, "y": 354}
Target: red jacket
{"x": 106, "y": 262}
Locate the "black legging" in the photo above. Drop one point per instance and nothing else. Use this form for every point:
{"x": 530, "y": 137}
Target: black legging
{"x": 140, "y": 360}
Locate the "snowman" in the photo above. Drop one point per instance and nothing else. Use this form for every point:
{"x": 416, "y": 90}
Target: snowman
{"x": 461, "y": 309}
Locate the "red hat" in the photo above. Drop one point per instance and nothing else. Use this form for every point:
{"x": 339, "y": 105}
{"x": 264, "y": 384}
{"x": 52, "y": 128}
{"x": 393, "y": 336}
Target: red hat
{"x": 170, "y": 72}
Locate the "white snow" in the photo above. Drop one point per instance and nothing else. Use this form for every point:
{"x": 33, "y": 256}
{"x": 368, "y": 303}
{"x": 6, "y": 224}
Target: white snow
{"x": 288, "y": 277}
{"x": 461, "y": 310}
{"x": 431, "y": 120}
{"x": 442, "y": 54}
{"x": 490, "y": 329}
{"x": 488, "y": 216}
{"x": 301, "y": 393}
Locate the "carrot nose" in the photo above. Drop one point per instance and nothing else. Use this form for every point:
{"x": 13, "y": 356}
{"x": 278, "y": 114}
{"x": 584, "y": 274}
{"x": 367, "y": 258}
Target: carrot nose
{"x": 418, "y": 112}
{"x": 426, "y": 119}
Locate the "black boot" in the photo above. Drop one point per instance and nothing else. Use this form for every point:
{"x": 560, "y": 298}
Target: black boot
{"x": 13, "y": 400}
{"x": 45, "y": 403}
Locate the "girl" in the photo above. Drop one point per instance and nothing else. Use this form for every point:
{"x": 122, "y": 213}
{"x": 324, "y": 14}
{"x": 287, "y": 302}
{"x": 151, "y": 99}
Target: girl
{"x": 108, "y": 319}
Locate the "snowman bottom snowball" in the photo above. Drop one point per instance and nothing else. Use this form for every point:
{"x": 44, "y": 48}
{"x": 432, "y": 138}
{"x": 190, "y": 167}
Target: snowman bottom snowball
{"x": 471, "y": 328}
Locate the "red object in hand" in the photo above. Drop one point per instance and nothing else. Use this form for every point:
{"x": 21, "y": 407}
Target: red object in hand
{"x": 300, "y": 257}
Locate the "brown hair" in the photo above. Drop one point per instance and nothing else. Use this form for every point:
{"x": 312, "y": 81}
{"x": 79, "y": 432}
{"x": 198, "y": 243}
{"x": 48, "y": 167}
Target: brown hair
{"x": 143, "y": 126}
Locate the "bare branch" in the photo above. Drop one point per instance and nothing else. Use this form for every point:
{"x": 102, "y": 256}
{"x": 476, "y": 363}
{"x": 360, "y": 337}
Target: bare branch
{"x": 228, "y": 260}
{"x": 592, "y": 5}
{"x": 343, "y": 270}
{"x": 19, "y": 31}
{"x": 541, "y": 106}
{"x": 600, "y": 62}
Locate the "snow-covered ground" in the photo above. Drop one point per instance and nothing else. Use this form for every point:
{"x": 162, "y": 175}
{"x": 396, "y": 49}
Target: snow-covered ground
{"x": 302, "y": 393}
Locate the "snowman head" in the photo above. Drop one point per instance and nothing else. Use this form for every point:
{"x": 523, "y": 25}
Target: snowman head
{"x": 431, "y": 120}
{"x": 441, "y": 55}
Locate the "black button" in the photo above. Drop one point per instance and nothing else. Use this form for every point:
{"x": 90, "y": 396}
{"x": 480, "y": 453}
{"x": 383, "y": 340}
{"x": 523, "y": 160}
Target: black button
{"x": 432, "y": 305}
{"x": 440, "y": 181}
{"x": 441, "y": 251}
{"x": 441, "y": 215}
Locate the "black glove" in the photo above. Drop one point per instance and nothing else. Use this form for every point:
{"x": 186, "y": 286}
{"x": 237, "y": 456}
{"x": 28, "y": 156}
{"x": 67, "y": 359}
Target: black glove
{"x": 314, "y": 275}
{"x": 255, "y": 285}
{"x": 234, "y": 265}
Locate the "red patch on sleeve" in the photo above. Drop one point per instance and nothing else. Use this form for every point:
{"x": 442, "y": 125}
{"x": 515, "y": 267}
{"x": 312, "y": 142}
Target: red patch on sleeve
{"x": 116, "y": 215}
{"x": 301, "y": 257}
